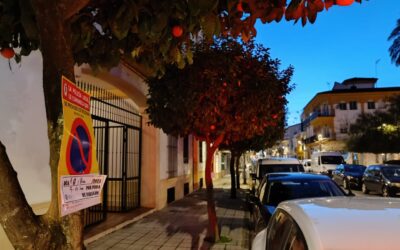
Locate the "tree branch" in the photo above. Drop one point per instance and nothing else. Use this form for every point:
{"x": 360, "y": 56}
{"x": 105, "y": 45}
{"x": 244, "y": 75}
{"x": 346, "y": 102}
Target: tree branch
{"x": 71, "y": 7}
{"x": 16, "y": 216}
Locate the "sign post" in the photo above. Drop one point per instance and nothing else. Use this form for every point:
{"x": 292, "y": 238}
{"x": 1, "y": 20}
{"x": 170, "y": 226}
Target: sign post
{"x": 79, "y": 181}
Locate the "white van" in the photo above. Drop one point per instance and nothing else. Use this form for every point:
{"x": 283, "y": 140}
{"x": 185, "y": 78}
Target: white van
{"x": 277, "y": 164}
{"x": 325, "y": 162}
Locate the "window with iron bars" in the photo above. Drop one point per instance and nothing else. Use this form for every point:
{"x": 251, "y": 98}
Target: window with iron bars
{"x": 186, "y": 149}
{"x": 172, "y": 156}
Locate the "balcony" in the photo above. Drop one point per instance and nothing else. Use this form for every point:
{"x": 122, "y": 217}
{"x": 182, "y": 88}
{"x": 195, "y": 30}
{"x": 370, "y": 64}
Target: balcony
{"x": 310, "y": 139}
{"x": 316, "y": 114}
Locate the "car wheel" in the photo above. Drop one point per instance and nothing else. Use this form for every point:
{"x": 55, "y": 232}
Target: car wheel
{"x": 345, "y": 184}
{"x": 364, "y": 189}
{"x": 386, "y": 192}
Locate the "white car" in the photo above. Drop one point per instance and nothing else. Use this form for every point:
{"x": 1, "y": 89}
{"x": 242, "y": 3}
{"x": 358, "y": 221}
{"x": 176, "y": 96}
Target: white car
{"x": 334, "y": 223}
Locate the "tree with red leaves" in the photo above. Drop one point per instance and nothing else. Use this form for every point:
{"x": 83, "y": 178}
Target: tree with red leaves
{"x": 231, "y": 92}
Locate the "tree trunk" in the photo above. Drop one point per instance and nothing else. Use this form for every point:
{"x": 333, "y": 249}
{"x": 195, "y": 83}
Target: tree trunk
{"x": 232, "y": 170}
{"x": 213, "y": 229}
{"x": 237, "y": 160}
{"x": 24, "y": 229}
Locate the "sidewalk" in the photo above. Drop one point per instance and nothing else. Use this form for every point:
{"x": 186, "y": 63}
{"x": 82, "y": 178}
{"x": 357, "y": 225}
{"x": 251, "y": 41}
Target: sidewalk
{"x": 183, "y": 224}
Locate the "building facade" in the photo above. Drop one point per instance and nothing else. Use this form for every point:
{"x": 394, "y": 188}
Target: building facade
{"x": 326, "y": 118}
{"x": 145, "y": 166}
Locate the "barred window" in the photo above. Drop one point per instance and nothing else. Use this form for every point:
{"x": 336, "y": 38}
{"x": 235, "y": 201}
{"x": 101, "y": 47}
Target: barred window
{"x": 172, "y": 156}
{"x": 200, "y": 151}
{"x": 186, "y": 149}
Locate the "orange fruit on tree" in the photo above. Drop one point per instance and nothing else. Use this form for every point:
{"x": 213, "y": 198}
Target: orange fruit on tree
{"x": 177, "y": 31}
{"x": 7, "y": 52}
{"x": 344, "y": 2}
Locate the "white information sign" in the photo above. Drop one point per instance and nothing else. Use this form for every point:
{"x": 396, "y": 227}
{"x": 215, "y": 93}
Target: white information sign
{"x": 80, "y": 191}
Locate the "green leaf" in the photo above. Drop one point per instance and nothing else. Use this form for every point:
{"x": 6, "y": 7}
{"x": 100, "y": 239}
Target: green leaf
{"x": 121, "y": 22}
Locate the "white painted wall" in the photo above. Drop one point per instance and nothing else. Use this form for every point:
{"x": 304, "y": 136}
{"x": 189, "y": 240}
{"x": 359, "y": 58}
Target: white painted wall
{"x": 23, "y": 127}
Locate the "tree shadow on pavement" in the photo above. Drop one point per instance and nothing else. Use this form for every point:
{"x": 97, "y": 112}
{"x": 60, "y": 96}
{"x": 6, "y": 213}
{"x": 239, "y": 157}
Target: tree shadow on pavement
{"x": 189, "y": 216}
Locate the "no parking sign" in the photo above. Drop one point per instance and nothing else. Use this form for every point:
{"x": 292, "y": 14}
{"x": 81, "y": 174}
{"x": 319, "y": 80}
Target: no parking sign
{"x": 80, "y": 184}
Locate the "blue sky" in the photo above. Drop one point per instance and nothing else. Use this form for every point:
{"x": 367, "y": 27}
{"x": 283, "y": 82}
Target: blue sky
{"x": 344, "y": 42}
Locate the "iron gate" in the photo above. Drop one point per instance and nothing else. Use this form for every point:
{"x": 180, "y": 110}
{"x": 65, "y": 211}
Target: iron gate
{"x": 117, "y": 128}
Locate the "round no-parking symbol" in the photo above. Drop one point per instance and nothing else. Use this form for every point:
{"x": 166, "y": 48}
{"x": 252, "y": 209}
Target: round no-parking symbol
{"x": 79, "y": 148}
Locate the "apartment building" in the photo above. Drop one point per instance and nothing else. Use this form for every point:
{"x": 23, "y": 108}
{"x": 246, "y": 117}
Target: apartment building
{"x": 326, "y": 118}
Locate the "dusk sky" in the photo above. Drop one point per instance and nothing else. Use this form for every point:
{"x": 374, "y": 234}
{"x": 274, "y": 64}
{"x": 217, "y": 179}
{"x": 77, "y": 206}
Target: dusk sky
{"x": 344, "y": 42}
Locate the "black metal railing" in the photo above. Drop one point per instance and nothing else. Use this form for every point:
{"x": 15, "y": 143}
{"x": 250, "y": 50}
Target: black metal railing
{"x": 118, "y": 132}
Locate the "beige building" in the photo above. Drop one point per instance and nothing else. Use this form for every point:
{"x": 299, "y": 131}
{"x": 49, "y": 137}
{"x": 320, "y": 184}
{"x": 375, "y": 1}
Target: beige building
{"x": 327, "y": 117}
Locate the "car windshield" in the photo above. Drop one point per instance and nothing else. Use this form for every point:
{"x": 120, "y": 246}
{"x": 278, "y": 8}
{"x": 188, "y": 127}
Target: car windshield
{"x": 354, "y": 168}
{"x": 391, "y": 171}
{"x": 295, "y": 189}
{"x": 332, "y": 159}
{"x": 266, "y": 169}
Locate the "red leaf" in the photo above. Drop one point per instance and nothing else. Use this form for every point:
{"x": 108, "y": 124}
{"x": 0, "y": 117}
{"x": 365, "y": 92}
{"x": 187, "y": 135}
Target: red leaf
{"x": 328, "y": 4}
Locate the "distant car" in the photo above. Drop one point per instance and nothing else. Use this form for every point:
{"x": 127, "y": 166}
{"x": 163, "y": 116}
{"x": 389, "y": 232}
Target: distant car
{"x": 384, "y": 179}
{"x": 393, "y": 162}
{"x": 274, "y": 165}
{"x": 278, "y": 187}
{"x": 333, "y": 223}
{"x": 349, "y": 175}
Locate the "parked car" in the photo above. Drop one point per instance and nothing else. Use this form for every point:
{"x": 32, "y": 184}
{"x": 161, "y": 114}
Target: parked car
{"x": 384, "y": 179}
{"x": 356, "y": 223}
{"x": 349, "y": 175}
{"x": 393, "y": 162}
{"x": 273, "y": 165}
{"x": 278, "y": 187}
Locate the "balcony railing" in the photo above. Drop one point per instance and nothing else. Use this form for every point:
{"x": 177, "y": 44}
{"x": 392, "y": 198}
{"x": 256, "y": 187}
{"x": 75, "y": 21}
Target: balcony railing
{"x": 326, "y": 113}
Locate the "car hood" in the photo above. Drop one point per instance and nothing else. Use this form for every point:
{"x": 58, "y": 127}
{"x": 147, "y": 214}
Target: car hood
{"x": 394, "y": 179}
{"x": 353, "y": 174}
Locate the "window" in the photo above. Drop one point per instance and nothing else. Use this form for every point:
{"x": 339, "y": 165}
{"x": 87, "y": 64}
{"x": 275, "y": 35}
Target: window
{"x": 342, "y": 106}
{"x": 186, "y": 149}
{"x": 353, "y": 105}
{"x": 200, "y": 151}
{"x": 371, "y": 105}
{"x": 172, "y": 156}
{"x": 343, "y": 129}
{"x": 223, "y": 161}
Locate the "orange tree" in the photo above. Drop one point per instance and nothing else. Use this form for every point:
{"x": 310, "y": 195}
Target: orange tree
{"x": 102, "y": 32}
{"x": 231, "y": 92}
